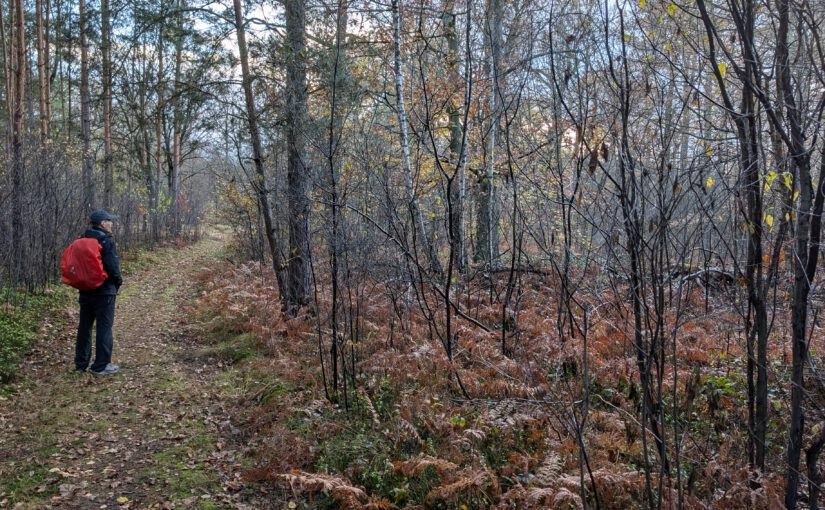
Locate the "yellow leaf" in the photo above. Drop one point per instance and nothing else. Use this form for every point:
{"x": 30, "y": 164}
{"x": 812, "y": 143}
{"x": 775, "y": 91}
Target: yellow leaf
{"x": 769, "y": 180}
{"x": 708, "y": 150}
{"x": 769, "y": 220}
{"x": 292, "y": 505}
{"x": 787, "y": 217}
{"x": 796, "y": 195}
{"x": 667, "y": 47}
{"x": 671, "y": 9}
{"x": 122, "y": 500}
{"x": 709, "y": 182}
{"x": 642, "y": 4}
{"x": 787, "y": 180}
{"x": 723, "y": 69}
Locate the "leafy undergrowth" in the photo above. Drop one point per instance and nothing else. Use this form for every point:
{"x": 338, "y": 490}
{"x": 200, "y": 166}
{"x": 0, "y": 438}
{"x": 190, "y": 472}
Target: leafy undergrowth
{"x": 21, "y": 318}
{"x": 402, "y": 434}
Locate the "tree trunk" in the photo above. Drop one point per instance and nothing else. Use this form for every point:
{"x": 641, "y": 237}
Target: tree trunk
{"x": 177, "y": 124}
{"x": 160, "y": 122}
{"x": 85, "y": 110}
{"x": 339, "y": 81}
{"x": 756, "y": 323}
{"x": 807, "y": 242}
{"x": 487, "y": 237}
{"x": 259, "y": 183}
{"x": 106, "y": 51}
{"x": 43, "y": 72}
{"x": 297, "y": 167}
{"x": 456, "y": 179}
{"x": 18, "y": 168}
{"x": 8, "y": 72}
{"x": 416, "y": 216}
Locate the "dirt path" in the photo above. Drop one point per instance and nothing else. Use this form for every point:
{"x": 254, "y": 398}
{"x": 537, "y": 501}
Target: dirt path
{"x": 156, "y": 435}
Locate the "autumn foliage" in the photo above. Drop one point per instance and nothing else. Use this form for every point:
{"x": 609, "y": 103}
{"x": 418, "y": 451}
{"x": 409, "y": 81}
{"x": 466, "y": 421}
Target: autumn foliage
{"x": 553, "y": 425}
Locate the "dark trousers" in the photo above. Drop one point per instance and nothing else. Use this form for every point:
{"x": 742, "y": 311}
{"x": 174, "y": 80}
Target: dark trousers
{"x": 100, "y": 309}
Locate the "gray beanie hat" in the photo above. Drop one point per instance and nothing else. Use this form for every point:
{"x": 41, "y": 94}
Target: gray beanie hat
{"x": 100, "y": 215}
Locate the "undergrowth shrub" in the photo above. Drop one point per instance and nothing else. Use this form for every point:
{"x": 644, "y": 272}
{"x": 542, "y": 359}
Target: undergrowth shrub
{"x": 19, "y": 325}
{"x": 15, "y": 337}
{"x": 362, "y": 455}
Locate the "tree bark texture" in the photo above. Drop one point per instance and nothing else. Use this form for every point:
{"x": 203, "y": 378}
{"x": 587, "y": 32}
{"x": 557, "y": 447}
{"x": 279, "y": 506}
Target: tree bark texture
{"x": 297, "y": 163}
{"x": 487, "y": 235}
{"x": 43, "y": 71}
{"x": 86, "y": 111}
{"x": 106, "y": 64}
{"x": 456, "y": 177}
{"x": 17, "y": 161}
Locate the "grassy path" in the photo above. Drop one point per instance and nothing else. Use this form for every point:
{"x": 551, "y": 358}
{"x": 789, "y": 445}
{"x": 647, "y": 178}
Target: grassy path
{"x": 157, "y": 435}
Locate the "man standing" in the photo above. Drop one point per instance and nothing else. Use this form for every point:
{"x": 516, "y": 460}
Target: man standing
{"x": 98, "y": 305}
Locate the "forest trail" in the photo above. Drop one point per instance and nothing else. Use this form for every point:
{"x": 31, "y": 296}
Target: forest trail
{"x": 157, "y": 435}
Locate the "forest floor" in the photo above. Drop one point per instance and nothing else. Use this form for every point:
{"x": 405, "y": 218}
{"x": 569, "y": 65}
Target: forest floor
{"x": 159, "y": 434}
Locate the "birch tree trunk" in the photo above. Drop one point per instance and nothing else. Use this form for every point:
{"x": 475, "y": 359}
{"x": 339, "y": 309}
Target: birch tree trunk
{"x": 416, "y": 216}
{"x": 487, "y": 237}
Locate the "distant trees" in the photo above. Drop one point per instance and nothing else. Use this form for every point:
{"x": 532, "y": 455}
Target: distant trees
{"x": 95, "y": 117}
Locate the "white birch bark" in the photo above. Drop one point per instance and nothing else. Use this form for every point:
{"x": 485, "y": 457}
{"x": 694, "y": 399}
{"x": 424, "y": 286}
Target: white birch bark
{"x": 415, "y": 210}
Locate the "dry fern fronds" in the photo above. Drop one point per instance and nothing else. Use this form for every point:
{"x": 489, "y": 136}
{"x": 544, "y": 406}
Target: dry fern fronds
{"x": 607, "y": 422}
{"x": 540, "y": 499}
{"x": 416, "y": 466}
{"x": 547, "y": 475}
{"x": 474, "y": 436}
{"x": 614, "y": 488}
{"x": 376, "y": 503}
{"x": 370, "y": 407}
{"x": 410, "y": 431}
{"x": 344, "y": 494}
{"x": 567, "y": 499}
{"x": 482, "y": 483}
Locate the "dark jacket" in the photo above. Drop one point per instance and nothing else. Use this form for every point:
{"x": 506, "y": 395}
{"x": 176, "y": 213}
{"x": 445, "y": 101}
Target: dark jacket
{"x": 111, "y": 263}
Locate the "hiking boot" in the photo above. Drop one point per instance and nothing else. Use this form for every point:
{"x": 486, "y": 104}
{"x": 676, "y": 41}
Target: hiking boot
{"x": 110, "y": 369}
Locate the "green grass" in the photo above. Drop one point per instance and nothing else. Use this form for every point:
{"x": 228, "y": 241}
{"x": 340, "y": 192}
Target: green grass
{"x": 30, "y": 486}
{"x": 179, "y": 465}
{"x": 20, "y": 320}
{"x": 235, "y": 350}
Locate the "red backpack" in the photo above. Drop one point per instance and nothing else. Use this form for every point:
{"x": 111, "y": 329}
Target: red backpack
{"x": 82, "y": 264}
